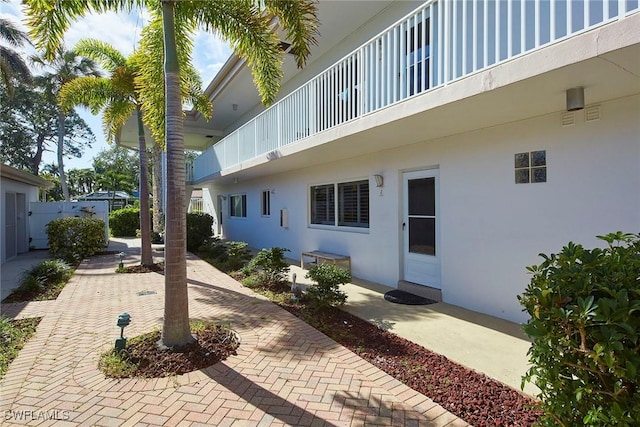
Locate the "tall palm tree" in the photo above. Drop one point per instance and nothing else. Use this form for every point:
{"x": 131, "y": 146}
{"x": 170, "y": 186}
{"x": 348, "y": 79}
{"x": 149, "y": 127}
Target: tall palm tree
{"x": 11, "y": 63}
{"x": 119, "y": 96}
{"x": 64, "y": 65}
{"x": 249, "y": 27}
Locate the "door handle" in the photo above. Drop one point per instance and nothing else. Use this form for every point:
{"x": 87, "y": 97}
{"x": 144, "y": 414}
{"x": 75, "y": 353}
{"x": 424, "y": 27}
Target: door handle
{"x": 403, "y": 225}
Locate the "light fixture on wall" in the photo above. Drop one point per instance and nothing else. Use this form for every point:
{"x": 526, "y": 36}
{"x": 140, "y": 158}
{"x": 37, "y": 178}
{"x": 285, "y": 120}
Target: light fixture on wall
{"x": 379, "y": 180}
{"x": 235, "y": 107}
{"x": 575, "y": 99}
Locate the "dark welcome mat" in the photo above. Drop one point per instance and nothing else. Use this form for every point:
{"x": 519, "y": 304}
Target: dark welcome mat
{"x": 402, "y": 297}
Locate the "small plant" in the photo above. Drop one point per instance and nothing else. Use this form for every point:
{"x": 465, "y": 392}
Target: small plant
{"x": 585, "y": 325}
{"x": 237, "y": 255}
{"x": 199, "y": 229}
{"x": 270, "y": 266}
{"x": 51, "y": 271}
{"x": 75, "y": 238}
{"x": 326, "y": 291}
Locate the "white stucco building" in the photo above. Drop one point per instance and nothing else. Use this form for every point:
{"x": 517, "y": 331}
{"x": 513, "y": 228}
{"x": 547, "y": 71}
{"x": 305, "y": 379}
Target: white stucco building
{"x": 442, "y": 145}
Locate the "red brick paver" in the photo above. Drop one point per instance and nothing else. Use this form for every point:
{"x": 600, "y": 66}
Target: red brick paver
{"x": 285, "y": 373}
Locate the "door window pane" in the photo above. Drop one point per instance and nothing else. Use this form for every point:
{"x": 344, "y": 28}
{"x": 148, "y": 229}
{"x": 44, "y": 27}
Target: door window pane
{"x": 422, "y": 197}
{"x": 422, "y": 236}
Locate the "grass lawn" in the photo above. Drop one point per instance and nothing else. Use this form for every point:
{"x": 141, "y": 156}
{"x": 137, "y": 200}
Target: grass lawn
{"x": 13, "y": 336}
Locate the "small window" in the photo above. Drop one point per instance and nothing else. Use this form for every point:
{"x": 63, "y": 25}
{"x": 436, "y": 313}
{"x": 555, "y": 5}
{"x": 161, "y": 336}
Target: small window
{"x": 266, "y": 203}
{"x": 238, "y": 205}
{"x": 531, "y": 167}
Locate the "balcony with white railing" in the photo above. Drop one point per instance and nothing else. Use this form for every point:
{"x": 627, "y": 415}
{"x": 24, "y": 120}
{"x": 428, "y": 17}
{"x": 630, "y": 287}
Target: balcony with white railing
{"x": 437, "y": 44}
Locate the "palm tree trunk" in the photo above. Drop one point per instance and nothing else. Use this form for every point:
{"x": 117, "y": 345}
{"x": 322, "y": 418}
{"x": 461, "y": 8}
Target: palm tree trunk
{"x": 143, "y": 194}
{"x": 63, "y": 178}
{"x": 175, "y": 329}
{"x": 157, "y": 187}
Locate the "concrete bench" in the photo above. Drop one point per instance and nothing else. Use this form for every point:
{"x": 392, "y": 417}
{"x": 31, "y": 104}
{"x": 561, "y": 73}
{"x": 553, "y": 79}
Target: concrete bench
{"x": 327, "y": 257}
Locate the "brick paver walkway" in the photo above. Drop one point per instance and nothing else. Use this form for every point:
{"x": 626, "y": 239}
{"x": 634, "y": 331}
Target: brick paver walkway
{"x": 285, "y": 372}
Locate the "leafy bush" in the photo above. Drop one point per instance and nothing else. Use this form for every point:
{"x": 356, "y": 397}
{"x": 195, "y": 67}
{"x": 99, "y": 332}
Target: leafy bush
{"x": 50, "y": 271}
{"x": 237, "y": 255}
{"x": 125, "y": 222}
{"x": 270, "y": 266}
{"x": 326, "y": 291}
{"x": 225, "y": 255}
{"x": 74, "y": 238}
{"x": 585, "y": 325}
{"x": 199, "y": 229}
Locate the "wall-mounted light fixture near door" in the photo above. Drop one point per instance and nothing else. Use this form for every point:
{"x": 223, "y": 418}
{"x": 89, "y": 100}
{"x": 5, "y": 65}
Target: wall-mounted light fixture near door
{"x": 379, "y": 180}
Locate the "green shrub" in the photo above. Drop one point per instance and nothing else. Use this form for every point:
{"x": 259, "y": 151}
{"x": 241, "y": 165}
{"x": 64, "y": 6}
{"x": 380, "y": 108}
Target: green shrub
{"x": 125, "y": 222}
{"x": 225, "y": 255}
{"x": 51, "y": 271}
{"x": 585, "y": 326}
{"x": 237, "y": 255}
{"x": 199, "y": 229}
{"x": 270, "y": 266}
{"x": 30, "y": 284}
{"x": 74, "y": 238}
{"x": 326, "y": 291}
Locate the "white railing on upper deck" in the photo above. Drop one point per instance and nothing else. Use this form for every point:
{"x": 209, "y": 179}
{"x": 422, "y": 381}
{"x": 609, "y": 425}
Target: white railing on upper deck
{"x": 438, "y": 43}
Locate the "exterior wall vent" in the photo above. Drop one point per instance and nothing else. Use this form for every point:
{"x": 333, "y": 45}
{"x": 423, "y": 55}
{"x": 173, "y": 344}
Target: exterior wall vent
{"x": 592, "y": 113}
{"x": 568, "y": 119}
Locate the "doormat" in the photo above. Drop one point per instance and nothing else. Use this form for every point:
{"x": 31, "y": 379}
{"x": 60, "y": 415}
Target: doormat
{"x": 402, "y": 297}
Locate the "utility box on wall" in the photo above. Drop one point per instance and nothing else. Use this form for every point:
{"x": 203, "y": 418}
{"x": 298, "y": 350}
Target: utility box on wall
{"x": 284, "y": 218}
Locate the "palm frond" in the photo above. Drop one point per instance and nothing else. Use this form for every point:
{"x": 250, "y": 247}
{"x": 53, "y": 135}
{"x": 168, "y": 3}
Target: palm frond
{"x": 114, "y": 117}
{"x": 12, "y": 35}
{"x": 90, "y": 91}
{"x": 101, "y": 52}
{"x": 299, "y": 19}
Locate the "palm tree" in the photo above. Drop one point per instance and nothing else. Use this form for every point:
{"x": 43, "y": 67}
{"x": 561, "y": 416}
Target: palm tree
{"x": 249, "y": 27}
{"x": 65, "y": 66}
{"x": 118, "y": 98}
{"x": 11, "y": 63}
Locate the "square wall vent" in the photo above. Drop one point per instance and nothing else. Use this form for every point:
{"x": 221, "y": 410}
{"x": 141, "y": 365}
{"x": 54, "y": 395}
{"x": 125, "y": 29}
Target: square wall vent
{"x": 592, "y": 113}
{"x": 568, "y": 119}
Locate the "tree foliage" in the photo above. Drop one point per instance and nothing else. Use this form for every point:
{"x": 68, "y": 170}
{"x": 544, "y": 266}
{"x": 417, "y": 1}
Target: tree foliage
{"x": 29, "y": 128}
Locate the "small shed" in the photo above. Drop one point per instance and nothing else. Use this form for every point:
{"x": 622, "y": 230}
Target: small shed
{"x": 17, "y": 190}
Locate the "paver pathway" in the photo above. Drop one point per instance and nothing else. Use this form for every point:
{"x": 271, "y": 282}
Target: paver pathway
{"x": 285, "y": 372}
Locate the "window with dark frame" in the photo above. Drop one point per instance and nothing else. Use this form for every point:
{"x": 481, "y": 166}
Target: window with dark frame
{"x": 238, "y": 206}
{"x": 531, "y": 167}
{"x": 266, "y": 203}
{"x": 351, "y": 205}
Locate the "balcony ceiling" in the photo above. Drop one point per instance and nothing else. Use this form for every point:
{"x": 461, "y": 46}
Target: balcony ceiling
{"x": 234, "y": 83}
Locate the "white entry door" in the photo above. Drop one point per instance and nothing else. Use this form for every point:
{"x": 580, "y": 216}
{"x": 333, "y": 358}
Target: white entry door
{"x": 421, "y": 228}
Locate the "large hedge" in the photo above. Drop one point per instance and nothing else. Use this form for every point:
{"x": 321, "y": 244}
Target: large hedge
{"x": 75, "y": 238}
{"x": 585, "y": 325}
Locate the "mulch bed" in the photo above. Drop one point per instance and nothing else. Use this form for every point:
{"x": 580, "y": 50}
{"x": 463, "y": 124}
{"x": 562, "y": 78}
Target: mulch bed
{"x": 472, "y": 396}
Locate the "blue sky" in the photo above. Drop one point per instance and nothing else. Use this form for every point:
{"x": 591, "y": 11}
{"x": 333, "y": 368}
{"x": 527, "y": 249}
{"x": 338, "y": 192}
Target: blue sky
{"x": 123, "y": 32}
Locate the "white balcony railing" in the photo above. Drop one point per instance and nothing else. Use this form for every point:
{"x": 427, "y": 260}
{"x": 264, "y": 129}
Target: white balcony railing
{"x": 438, "y": 43}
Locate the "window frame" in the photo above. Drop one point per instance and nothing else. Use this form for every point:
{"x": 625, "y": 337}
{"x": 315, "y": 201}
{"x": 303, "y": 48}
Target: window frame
{"x": 265, "y": 203}
{"x": 243, "y": 205}
{"x": 335, "y": 216}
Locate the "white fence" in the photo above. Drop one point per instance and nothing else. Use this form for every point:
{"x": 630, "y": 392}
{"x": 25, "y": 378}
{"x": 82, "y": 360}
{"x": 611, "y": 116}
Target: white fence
{"x": 41, "y": 213}
{"x": 438, "y": 43}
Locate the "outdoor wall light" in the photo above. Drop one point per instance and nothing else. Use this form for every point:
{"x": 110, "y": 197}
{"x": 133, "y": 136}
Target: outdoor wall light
{"x": 379, "y": 180}
{"x": 123, "y": 321}
{"x": 575, "y": 99}
{"x": 121, "y": 255}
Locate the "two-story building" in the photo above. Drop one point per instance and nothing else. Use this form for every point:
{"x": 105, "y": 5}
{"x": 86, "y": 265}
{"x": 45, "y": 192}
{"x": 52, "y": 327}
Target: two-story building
{"x": 442, "y": 145}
